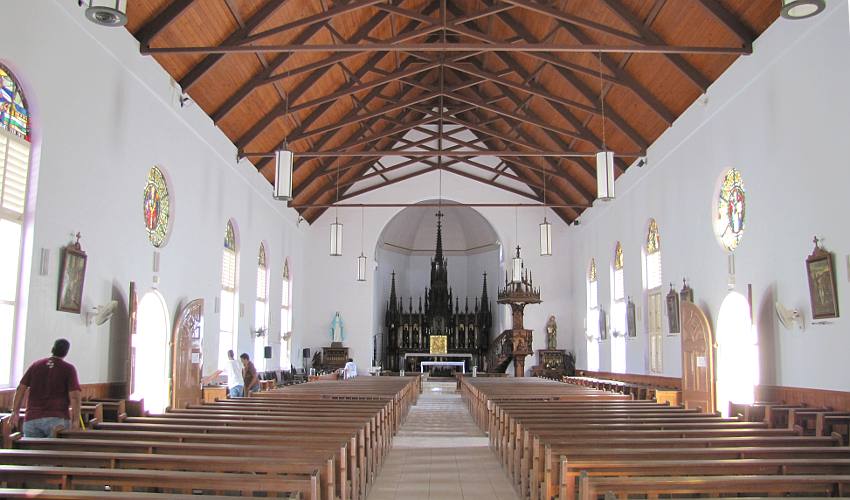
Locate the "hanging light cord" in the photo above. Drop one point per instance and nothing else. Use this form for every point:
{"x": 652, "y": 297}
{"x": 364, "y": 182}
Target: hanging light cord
{"x": 602, "y": 99}
{"x": 336, "y": 208}
{"x": 362, "y": 226}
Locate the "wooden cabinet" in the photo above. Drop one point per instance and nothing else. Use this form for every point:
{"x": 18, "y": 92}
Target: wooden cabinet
{"x": 214, "y": 391}
{"x": 334, "y": 358}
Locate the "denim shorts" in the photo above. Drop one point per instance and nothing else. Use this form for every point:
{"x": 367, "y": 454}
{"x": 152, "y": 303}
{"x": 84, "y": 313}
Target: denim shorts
{"x": 44, "y": 427}
{"x": 236, "y": 391}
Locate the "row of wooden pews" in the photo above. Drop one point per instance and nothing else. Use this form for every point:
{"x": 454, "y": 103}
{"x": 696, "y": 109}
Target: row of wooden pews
{"x": 321, "y": 440}
{"x": 566, "y": 441}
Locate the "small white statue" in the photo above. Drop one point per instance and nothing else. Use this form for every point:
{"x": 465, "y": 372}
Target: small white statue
{"x": 336, "y": 329}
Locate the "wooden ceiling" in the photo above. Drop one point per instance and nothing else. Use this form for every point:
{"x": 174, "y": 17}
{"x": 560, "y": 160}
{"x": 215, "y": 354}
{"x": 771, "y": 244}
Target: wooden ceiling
{"x": 367, "y": 92}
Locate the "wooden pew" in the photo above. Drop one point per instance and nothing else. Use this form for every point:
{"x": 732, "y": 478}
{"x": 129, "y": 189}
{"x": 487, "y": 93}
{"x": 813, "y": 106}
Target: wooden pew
{"x": 180, "y": 482}
{"x": 15, "y": 493}
{"x": 652, "y": 486}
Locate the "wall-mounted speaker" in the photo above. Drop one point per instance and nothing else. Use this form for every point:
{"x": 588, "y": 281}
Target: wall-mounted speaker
{"x": 305, "y": 353}
{"x": 267, "y": 352}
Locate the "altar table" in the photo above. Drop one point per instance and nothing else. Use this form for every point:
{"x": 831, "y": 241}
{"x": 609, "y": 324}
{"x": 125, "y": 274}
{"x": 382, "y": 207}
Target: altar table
{"x": 461, "y": 364}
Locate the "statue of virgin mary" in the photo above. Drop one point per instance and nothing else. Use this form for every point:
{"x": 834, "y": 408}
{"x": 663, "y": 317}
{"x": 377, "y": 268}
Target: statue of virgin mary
{"x": 336, "y": 329}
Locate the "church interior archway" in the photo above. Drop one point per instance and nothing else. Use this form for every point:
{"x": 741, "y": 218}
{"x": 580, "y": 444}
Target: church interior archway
{"x": 405, "y": 251}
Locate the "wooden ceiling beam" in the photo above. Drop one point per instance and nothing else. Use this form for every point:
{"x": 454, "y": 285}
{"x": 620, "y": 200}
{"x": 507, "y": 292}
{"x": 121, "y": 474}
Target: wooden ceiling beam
{"x": 381, "y": 46}
{"x": 554, "y": 13}
{"x": 200, "y": 69}
{"x": 318, "y": 18}
{"x": 283, "y": 109}
{"x": 168, "y": 15}
{"x": 735, "y": 25}
{"x": 529, "y": 88}
{"x": 687, "y": 69}
{"x": 528, "y": 120}
{"x": 558, "y": 141}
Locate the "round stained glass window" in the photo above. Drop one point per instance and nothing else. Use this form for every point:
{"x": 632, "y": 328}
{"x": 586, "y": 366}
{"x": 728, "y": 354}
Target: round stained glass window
{"x": 730, "y": 211}
{"x": 156, "y": 207}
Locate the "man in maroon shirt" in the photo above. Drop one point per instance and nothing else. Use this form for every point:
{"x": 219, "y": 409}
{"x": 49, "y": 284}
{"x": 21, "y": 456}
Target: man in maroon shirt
{"x": 53, "y": 387}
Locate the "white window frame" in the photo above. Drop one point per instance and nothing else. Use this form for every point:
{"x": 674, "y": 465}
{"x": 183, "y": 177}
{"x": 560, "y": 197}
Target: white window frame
{"x": 261, "y": 312}
{"x": 229, "y": 287}
{"x": 592, "y": 322}
{"x": 286, "y": 318}
{"x": 618, "y": 318}
{"x": 13, "y": 146}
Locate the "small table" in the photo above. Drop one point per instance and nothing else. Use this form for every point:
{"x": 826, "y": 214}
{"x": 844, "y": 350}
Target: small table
{"x": 461, "y": 364}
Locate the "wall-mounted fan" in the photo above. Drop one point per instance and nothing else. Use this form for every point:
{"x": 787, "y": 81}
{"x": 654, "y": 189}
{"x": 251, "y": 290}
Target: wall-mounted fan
{"x": 789, "y": 317}
{"x": 101, "y": 314}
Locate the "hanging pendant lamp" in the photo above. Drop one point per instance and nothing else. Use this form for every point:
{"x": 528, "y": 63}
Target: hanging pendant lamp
{"x": 361, "y": 261}
{"x": 545, "y": 227}
{"x": 604, "y": 158}
{"x": 283, "y": 161}
{"x": 336, "y": 226}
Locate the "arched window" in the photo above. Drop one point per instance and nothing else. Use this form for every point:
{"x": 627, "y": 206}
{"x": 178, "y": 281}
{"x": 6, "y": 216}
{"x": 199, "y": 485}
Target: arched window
{"x": 618, "y": 314}
{"x": 652, "y": 285}
{"x": 261, "y": 308}
{"x": 592, "y": 328}
{"x": 14, "y": 172}
{"x": 286, "y": 320}
{"x": 228, "y": 304}
{"x": 737, "y": 353}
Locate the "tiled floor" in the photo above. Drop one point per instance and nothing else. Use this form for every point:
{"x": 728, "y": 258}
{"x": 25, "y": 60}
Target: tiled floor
{"x": 439, "y": 453}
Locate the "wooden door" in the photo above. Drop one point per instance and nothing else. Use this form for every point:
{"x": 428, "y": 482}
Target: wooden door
{"x": 697, "y": 359}
{"x": 186, "y": 357}
{"x": 130, "y": 362}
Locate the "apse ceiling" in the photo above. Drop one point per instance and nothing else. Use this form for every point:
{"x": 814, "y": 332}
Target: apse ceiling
{"x": 510, "y": 93}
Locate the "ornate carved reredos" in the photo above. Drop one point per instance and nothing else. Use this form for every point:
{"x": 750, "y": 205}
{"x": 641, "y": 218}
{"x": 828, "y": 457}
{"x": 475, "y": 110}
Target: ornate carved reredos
{"x": 410, "y": 324}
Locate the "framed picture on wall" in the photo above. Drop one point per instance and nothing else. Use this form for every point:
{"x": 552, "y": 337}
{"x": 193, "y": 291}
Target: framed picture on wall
{"x": 631, "y": 323}
{"x": 71, "y": 278}
{"x": 822, "y": 290}
{"x": 673, "y": 311}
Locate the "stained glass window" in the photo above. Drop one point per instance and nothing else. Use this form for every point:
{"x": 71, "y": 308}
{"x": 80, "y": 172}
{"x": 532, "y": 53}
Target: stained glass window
{"x": 229, "y": 237}
{"x": 156, "y": 207}
{"x": 618, "y": 256}
{"x": 14, "y": 116}
{"x": 261, "y": 258}
{"x": 653, "y": 241}
{"x": 730, "y": 216}
{"x": 591, "y": 275}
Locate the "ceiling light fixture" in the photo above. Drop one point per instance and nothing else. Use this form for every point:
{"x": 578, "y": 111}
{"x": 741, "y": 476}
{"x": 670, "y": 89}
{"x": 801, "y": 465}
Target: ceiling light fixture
{"x": 110, "y": 13}
{"x": 801, "y": 9}
{"x": 283, "y": 161}
{"x": 604, "y": 158}
{"x": 336, "y": 226}
{"x": 361, "y": 261}
{"x": 545, "y": 227}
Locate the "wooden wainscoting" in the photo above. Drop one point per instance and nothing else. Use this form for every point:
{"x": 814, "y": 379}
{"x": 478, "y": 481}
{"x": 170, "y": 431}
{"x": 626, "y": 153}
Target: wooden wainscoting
{"x": 672, "y": 382}
{"x": 101, "y": 390}
{"x": 837, "y": 400}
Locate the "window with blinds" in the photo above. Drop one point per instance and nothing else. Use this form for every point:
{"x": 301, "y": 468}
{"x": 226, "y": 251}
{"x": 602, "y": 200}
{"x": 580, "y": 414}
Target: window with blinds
{"x": 653, "y": 270}
{"x": 228, "y": 270}
{"x": 228, "y": 299}
{"x": 619, "y": 288}
{"x": 14, "y": 168}
{"x": 286, "y": 319}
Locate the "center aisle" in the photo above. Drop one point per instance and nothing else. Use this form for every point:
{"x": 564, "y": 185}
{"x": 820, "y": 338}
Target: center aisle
{"x": 439, "y": 453}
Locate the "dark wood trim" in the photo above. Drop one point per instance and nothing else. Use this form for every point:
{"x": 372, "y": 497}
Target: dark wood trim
{"x": 167, "y": 16}
{"x": 635, "y": 378}
{"x": 99, "y": 390}
{"x": 837, "y": 400}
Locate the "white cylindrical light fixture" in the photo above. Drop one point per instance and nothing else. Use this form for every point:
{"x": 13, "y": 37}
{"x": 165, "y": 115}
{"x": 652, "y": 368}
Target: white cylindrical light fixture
{"x": 545, "y": 238}
{"x": 801, "y": 9}
{"x": 516, "y": 268}
{"x": 605, "y": 175}
{"x": 283, "y": 161}
{"x": 336, "y": 238}
{"x": 111, "y": 13}
{"x": 361, "y": 267}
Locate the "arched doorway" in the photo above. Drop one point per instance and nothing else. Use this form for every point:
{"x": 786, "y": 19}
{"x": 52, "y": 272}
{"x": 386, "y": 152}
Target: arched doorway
{"x": 737, "y": 353}
{"x": 150, "y": 345}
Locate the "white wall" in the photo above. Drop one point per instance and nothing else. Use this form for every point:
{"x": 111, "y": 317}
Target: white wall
{"x": 333, "y": 287}
{"x": 780, "y": 116}
{"x": 102, "y": 116}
